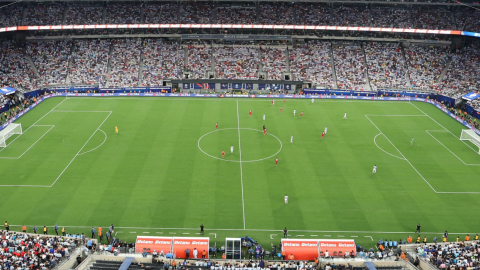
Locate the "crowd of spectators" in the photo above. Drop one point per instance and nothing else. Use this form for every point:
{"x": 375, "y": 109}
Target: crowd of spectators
{"x": 314, "y": 14}
{"x": 453, "y": 255}
{"x": 468, "y": 19}
{"x": 349, "y": 66}
{"x": 197, "y": 12}
{"x": 161, "y": 60}
{"x": 164, "y": 12}
{"x": 236, "y": 62}
{"x": 424, "y": 17}
{"x": 125, "y": 62}
{"x": 123, "y": 13}
{"x": 45, "y": 14}
{"x": 199, "y": 61}
{"x": 77, "y": 15}
{"x": 312, "y": 62}
{"x": 462, "y": 75}
{"x": 23, "y": 251}
{"x": 386, "y": 68}
{"x": 390, "y": 17}
{"x": 276, "y": 13}
{"x": 432, "y": 18}
{"x": 274, "y": 62}
{"x": 51, "y": 59}
{"x": 14, "y": 68}
{"x": 11, "y": 15}
{"x": 237, "y": 14}
{"x": 90, "y": 62}
{"x": 425, "y": 65}
{"x": 351, "y": 16}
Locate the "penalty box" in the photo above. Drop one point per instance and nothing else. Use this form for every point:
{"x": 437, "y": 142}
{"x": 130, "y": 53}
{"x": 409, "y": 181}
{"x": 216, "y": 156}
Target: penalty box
{"x": 438, "y": 155}
{"x": 45, "y": 150}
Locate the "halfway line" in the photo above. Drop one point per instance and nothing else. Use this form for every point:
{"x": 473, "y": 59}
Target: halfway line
{"x": 241, "y": 170}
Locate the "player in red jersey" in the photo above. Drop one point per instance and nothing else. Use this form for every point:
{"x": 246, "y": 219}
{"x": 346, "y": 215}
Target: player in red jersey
{"x": 301, "y": 114}
{"x": 284, "y": 100}
{"x": 223, "y": 154}
{"x": 281, "y": 109}
{"x": 216, "y": 125}
{"x": 276, "y": 161}
{"x": 323, "y": 134}
{"x": 264, "y": 131}
{"x": 250, "y": 113}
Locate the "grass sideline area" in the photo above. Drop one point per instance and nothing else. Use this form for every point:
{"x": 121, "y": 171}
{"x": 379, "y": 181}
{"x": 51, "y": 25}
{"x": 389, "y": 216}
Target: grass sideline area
{"x": 163, "y": 174}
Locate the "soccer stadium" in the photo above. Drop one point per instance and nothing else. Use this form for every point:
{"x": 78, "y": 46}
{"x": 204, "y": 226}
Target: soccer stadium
{"x": 319, "y": 134}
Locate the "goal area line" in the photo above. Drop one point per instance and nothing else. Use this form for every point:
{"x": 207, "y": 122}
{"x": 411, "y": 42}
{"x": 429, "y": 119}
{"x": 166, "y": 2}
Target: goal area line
{"x": 76, "y": 155}
{"x": 410, "y": 163}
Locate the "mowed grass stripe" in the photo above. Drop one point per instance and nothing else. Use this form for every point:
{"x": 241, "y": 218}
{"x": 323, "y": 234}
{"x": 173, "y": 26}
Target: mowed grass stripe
{"x": 153, "y": 174}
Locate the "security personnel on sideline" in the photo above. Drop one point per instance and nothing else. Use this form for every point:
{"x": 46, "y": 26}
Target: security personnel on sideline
{"x": 418, "y": 239}
{"x": 425, "y": 240}
{"x": 24, "y": 228}
{"x": 45, "y": 230}
{"x": 63, "y": 231}
{"x": 7, "y": 226}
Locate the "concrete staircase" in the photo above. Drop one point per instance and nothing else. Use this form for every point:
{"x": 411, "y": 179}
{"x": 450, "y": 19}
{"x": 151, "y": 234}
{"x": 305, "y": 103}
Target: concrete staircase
{"x": 109, "y": 64}
{"x": 70, "y": 62}
{"x": 365, "y": 64}
{"x": 332, "y": 63}
{"x": 405, "y": 66}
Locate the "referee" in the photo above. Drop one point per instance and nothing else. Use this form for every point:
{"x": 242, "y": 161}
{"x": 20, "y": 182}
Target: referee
{"x": 418, "y": 228}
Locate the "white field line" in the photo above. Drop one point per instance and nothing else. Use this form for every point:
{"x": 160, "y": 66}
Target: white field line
{"x": 272, "y": 235}
{"x": 51, "y": 126}
{"x": 255, "y": 230}
{"x": 98, "y": 145}
{"x": 401, "y": 154}
{"x": 243, "y": 161}
{"x": 390, "y": 115}
{"x": 443, "y": 127}
{"x": 79, "y": 151}
{"x": 241, "y": 169}
{"x": 370, "y": 237}
{"x": 35, "y": 123}
{"x": 375, "y": 141}
{"x": 428, "y": 131}
{"x": 239, "y": 99}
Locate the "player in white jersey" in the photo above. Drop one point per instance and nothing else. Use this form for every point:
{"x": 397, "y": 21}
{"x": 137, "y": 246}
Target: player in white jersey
{"x": 313, "y": 100}
{"x": 291, "y": 139}
{"x": 294, "y": 112}
{"x": 411, "y": 143}
{"x": 231, "y": 149}
{"x": 345, "y": 116}
{"x": 286, "y": 199}
{"x": 326, "y": 130}
{"x": 374, "y": 169}
{"x": 263, "y": 117}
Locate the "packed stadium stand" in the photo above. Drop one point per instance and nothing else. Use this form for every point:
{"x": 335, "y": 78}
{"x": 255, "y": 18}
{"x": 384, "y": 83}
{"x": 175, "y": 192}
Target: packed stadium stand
{"x": 22, "y": 251}
{"x": 382, "y": 60}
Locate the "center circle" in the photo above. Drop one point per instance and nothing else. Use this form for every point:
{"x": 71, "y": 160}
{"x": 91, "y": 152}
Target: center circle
{"x": 254, "y": 146}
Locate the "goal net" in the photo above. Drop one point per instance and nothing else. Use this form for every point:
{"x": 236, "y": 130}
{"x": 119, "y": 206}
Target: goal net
{"x": 8, "y": 132}
{"x": 470, "y": 135}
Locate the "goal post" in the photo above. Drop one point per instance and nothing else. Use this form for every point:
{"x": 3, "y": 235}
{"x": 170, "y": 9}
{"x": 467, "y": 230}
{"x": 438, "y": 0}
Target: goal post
{"x": 8, "y": 132}
{"x": 470, "y": 135}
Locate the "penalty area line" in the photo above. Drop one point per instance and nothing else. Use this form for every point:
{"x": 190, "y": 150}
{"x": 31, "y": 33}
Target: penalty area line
{"x": 79, "y": 151}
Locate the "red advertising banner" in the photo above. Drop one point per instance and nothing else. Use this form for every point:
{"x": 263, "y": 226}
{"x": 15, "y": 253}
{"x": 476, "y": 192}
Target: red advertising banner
{"x": 180, "y": 244}
{"x": 151, "y": 243}
{"x": 301, "y": 249}
{"x": 337, "y": 245}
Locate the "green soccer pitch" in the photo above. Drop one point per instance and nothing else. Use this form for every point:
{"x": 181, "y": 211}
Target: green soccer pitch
{"x": 163, "y": 174}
